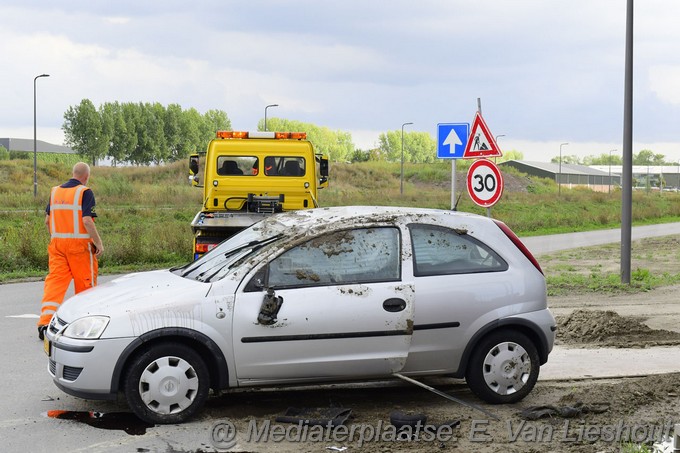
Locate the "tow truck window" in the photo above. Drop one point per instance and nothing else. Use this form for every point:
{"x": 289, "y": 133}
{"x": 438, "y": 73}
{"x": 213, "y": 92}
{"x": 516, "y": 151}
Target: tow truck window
{"x": 237, "y": 165}
{"x": 284, "y": 166}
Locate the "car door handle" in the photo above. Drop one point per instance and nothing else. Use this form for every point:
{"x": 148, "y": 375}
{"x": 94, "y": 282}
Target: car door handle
{"x": 394, "y": 305}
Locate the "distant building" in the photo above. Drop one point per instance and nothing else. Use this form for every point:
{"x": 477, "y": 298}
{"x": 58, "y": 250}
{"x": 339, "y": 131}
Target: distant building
{"x": 26, "y": 144}
{"x": 599, "y": 177}
{"x": 569, "y": 175}
{"x": 649, "y": 175}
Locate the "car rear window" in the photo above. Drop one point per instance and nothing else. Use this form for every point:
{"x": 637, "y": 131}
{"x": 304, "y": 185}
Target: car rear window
{"x": 442, "y": 251}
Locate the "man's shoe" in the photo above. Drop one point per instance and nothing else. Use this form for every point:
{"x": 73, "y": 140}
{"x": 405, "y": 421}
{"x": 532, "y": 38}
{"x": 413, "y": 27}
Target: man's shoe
{"x": 41, "y": 332}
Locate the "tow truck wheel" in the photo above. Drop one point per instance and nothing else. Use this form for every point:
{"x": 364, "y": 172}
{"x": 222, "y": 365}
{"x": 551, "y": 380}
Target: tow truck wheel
{"x": 168, "y": 383}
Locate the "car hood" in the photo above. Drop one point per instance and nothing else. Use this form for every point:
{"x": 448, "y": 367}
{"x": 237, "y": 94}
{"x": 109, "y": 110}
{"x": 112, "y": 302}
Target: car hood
{"x": 138, "y": 292}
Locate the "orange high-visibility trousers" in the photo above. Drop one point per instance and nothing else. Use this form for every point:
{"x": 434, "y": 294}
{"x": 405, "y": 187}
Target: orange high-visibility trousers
{"x": 69, "y": 259}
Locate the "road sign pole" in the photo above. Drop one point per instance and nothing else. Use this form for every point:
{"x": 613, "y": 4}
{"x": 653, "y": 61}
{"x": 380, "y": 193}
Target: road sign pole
{"x": 453, "y": 184}
{"x": 479, "y": 109}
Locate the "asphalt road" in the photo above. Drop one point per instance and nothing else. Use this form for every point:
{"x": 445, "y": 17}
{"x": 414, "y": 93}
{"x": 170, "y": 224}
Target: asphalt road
{"x": 539, "y": 245}
{"x": 27, "y": 392}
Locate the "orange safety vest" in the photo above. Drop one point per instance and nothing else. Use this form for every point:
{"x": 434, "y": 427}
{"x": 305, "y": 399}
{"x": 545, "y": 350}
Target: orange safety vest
{"x": 66, "y": 213}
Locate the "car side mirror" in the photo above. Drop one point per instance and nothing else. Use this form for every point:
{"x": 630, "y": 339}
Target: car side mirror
{"x": 271, "y": 304}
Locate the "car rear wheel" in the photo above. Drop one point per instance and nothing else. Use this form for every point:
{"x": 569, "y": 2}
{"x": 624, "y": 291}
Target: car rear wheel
{"x": 167, "y": 384}
{"x": 503, "y": 368}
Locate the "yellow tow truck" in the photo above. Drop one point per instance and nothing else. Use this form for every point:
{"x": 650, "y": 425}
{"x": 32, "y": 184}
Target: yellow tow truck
{"x": 247, "y": 176}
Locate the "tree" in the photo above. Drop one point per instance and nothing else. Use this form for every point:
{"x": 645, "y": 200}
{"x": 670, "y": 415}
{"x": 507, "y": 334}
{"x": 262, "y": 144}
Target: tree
{"x": 390, "y": 146}
{"x": 122, "y": 139}
{"x": 83, "y": 131}
{"x": 337, "y": 145}
{"x": 603, "y": 159}
{"x": 191, "y": 126}
{"x": 139, "y": 133}
{"x": 172, "y": 126}
{"x": 115, "y": 131}
{"x": 360, "y": 156}
{"x": 213, "y": 121}
{"x": 423, "y": 149}
{"x": 418, "y": 147}
{"x": 141, "y": 153}
{"x": 106, "y": 116}
{"x": 511, "y": 155}
{"x": 128, "y": 145}
{"x": 644, "y": 157}
{"x": 151, "y": 143}
{"x": 571, "y": 159}
{"x": 647, "y": 157}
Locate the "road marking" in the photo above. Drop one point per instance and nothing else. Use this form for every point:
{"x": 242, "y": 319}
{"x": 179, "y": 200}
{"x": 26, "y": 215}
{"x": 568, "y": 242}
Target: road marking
{"x": 31, "y": 316}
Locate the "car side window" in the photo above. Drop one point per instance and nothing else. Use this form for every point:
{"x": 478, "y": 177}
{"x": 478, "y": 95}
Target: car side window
{"x": 350, "y": 256}
{"x": 442, "y": 251}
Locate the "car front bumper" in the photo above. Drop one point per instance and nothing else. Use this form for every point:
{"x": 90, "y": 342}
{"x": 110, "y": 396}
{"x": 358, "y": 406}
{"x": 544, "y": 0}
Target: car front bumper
{"x": 84, "y": 368}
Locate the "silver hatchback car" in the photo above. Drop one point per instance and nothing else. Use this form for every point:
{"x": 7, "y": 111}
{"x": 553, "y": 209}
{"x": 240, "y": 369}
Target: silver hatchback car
{"x": 328, "y": 294}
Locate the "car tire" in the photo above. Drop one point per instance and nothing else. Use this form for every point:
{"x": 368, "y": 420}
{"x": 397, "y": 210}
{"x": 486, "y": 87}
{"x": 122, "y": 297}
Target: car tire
{"x": 503, "y": 367}
{"x": 400, "y": 420}
{"x": 168, "y": 383}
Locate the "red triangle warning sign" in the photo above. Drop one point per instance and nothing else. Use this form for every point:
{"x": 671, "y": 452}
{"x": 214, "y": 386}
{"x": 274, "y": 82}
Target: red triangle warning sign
{"x": 481, "y": 142}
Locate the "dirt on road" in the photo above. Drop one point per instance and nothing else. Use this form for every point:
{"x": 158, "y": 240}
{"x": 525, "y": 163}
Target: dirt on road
{"x": 575, "y": 416}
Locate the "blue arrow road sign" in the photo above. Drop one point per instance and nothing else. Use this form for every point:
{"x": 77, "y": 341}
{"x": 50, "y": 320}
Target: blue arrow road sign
{"x": 452, "y": 139}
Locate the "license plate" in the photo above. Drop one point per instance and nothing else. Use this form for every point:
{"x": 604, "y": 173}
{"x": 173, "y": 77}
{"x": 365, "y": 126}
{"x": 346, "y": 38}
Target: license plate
{"x": 46, "y": 345}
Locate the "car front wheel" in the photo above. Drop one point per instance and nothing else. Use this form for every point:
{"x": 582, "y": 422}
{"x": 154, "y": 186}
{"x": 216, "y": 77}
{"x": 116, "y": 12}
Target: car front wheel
{"x": 167, "y": 384}
{"x": 503, "y": 367}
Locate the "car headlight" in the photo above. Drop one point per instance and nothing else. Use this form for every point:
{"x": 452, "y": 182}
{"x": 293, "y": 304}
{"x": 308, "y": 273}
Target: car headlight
{"x": 89, "y": 327}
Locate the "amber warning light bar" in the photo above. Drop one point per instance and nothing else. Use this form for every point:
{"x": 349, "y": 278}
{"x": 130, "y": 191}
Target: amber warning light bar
{"x": 263, "y": 134}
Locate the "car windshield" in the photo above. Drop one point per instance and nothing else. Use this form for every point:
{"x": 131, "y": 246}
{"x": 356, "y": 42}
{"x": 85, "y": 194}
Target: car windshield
{"x": 215, "y": 264}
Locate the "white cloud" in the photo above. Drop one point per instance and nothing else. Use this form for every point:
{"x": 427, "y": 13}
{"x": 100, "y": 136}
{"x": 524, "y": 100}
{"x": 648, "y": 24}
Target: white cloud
{"x": 547, "y": 72}
{"x": 663, "y": 81}
{"x": 118, "y": 20}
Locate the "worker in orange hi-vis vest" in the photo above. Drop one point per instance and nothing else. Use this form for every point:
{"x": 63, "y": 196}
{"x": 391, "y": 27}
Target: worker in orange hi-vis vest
{"x": 75, "y": 244}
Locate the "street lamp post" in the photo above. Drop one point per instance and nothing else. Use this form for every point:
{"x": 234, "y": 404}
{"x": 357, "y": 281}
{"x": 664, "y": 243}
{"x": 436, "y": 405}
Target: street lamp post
{"x": 559, "y": 180}
{"x": 35, "y": 139}
{"x": 610, "y": 170}
{"x": 265, "y": 114}
{"x": 497, "y": 136}
{"x": 401, "y": 186}
{"x": 649, "y": 184}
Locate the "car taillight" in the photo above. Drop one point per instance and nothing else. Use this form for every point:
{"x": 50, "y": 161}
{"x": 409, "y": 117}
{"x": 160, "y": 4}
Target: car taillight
{"x": 518, "y": 243}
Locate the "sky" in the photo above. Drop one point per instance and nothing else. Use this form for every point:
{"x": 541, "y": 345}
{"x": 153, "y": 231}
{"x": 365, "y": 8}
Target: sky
{"x": 546, "y": 72}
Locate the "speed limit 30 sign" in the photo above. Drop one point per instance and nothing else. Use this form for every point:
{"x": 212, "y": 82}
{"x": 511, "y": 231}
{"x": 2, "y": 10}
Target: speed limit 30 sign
{"x": 484, "y": 183}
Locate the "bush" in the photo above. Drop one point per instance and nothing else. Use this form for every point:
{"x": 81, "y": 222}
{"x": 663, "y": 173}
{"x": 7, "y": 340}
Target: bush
{"x": 24, "y": 155}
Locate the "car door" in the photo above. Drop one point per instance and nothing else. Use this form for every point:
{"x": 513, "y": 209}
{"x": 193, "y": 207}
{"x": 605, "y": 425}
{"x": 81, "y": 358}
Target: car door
{"x": 332, "y": 307}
